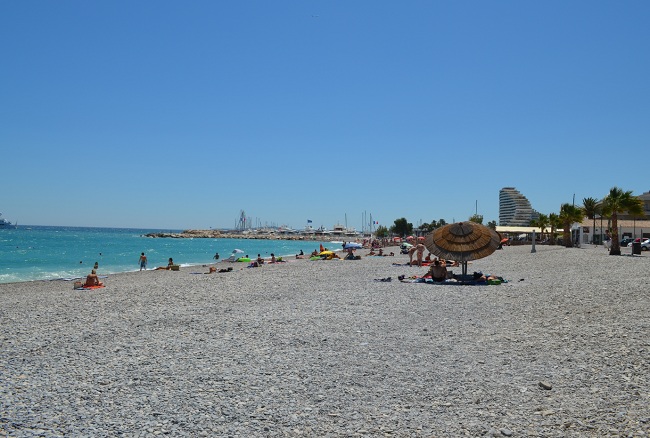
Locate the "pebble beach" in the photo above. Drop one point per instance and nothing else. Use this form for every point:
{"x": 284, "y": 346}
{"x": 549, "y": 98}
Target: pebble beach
{"x": 323, "y": 349}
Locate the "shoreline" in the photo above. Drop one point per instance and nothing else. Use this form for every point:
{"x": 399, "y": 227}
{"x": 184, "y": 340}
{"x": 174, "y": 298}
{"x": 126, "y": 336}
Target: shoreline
{"x": 48, "y": 255}
{"x": 324, "y": 349}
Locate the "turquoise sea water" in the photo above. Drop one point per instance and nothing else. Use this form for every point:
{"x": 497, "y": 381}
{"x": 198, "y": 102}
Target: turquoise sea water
{"x": 49, "y": 253}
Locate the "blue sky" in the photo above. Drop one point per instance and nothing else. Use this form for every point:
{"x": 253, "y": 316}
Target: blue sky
{"x": 162, "y": 114}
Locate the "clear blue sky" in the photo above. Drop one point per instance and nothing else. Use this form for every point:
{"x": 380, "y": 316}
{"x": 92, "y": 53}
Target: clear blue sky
{"x": 170, "y": 114}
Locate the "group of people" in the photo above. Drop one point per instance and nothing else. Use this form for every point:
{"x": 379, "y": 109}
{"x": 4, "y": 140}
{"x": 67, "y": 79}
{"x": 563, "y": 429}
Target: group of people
{"x": 259, "y": 261}
{"x": 379, "y": 253}
{"x": 418, "y": 252}
{"x": 143, "y": 264}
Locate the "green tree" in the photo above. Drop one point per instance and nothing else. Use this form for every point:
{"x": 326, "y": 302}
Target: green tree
{"x": 433, "y": 225}
{"x": 381, "y": 231}
{"x": 402, "y": 227}
{"x": 492, "y": 224}
{"x": 555, "y": 223}
{"x": 569, "y": 214}
{"x": 619, "y": 201}
{"x": 591, "y": 208}
{"x": 542, "y": 222}
{"x": 476, "y": 218}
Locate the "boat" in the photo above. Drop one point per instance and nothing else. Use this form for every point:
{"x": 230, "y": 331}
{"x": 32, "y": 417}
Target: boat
{"x": 340, "y": 230}
{"x": 351, "y": 232}
{"x": 5, "y": 224}
{"x": 322, "y": 231}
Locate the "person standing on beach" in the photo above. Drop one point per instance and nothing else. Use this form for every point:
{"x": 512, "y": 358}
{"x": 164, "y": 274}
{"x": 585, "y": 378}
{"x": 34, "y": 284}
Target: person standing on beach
{"x": 420, "y": 252}
{"x": 411, "y": 253}
{"x": 143, "y": 262}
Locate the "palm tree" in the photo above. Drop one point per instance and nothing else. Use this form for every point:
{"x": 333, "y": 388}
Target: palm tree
{"x": 591, "y": 209}
{"x": 569, "y": 214}
{"x": 619, "y": 201}
{"x": 554, "y": 223}
{"x": 542, "y": 222}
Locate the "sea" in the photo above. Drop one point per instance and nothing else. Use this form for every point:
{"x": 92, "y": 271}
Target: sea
{"x": 39, "y": 252}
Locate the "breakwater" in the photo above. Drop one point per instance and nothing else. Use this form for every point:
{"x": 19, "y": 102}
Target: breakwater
{"x": 215, "y": 234}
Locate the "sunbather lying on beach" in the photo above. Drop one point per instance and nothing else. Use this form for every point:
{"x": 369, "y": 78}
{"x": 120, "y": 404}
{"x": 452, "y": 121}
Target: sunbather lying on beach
{"x": 213, "y": 270}
{"x": 479, "y": 276}
{"x": 165, "y": 268}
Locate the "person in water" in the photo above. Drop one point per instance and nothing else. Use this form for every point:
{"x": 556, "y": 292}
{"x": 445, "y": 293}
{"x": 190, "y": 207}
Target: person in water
{"x": 93, "y": 280}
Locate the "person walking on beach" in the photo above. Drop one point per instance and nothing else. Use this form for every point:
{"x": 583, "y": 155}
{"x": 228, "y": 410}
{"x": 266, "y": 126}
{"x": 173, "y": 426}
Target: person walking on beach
{"x": 143, "y": 262}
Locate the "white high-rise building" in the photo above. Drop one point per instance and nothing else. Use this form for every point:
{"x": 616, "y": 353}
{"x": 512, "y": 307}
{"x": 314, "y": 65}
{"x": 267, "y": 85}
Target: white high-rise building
{"x": 514, "y": 208}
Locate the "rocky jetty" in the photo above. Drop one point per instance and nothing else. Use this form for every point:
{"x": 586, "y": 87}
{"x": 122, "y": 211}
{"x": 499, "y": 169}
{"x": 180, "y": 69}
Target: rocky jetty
{"x": 204, "y": 234}
{"x": 215, "y": 234}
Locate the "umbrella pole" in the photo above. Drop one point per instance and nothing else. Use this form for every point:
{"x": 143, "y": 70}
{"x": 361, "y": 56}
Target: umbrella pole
{"x": 464, "y": 269}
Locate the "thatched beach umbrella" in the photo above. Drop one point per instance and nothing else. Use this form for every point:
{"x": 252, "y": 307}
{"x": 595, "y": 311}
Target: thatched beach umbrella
{"x": 462, "y": 241}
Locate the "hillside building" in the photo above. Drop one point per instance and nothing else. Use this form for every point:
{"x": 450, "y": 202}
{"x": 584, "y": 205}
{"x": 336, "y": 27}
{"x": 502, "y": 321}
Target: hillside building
{"x": 514, "y": 208}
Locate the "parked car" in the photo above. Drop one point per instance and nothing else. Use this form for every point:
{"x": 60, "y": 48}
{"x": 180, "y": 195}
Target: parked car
{"x": 626, "y": 241}
{"x": 645, "y": 243}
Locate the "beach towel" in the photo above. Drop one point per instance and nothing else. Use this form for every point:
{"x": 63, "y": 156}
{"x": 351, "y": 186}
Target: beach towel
{"x": 451, "y": 281}
{"x": 89, "y": 287}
